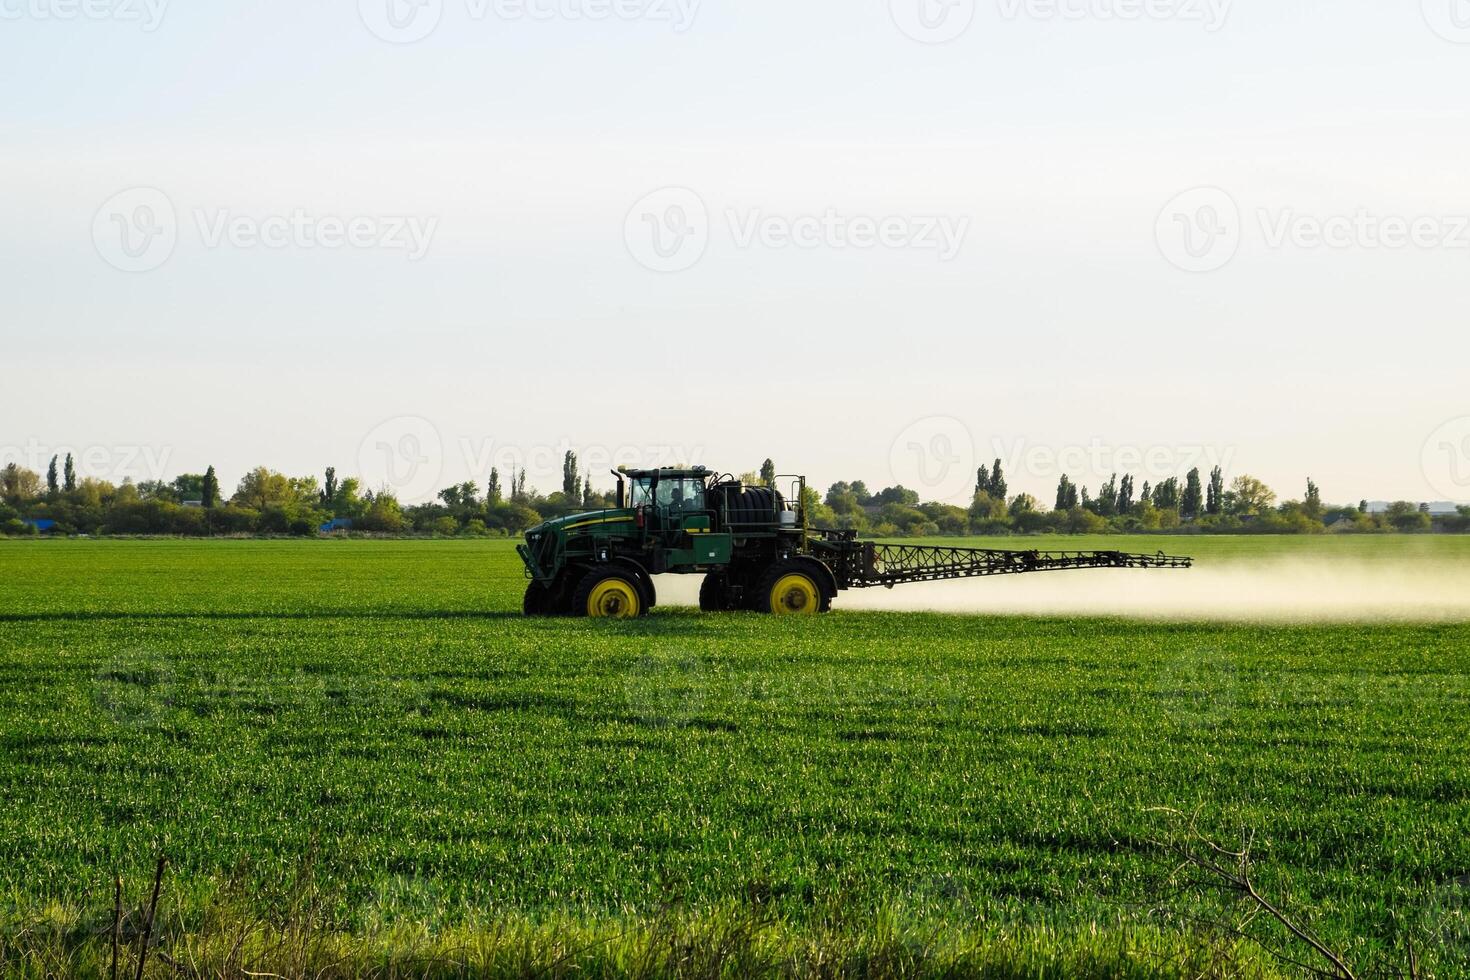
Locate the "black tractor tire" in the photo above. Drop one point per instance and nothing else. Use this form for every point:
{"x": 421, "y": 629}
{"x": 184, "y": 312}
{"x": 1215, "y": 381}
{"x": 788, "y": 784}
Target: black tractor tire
{"x": 800, "y": 591}
{"x": 609, "y": 593}
{"x": 539, "y": 601}
{"x": 715, "y": 594}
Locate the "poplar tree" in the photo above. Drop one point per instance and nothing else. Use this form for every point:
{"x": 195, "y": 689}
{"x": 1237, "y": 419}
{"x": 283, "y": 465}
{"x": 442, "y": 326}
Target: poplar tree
{"x": 1191, "y": 503}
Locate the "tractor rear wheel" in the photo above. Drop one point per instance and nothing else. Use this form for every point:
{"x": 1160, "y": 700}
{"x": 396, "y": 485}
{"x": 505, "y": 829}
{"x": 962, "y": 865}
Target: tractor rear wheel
{"x": 539, "y": 601}
{"x": 715, "y": 594}
{"x": 789, "y": 588}
{"x": 608, "y": 594}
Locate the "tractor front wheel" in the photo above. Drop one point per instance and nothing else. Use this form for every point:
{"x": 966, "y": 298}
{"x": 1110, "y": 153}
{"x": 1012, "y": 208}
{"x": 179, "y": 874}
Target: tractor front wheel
{"x": 789, "y": 589}
{"x": 539, "y": 601}
{"x": 605, "y": 594}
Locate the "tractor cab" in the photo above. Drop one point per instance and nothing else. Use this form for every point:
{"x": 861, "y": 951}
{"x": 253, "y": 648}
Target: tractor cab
{"x": 668, "y": 499}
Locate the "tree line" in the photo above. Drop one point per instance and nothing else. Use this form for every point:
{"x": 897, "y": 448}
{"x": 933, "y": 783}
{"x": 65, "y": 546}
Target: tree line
{"x": 266, "y": 502}
{"x": 272, "y": 503}
{"x": 1121, "y": 505}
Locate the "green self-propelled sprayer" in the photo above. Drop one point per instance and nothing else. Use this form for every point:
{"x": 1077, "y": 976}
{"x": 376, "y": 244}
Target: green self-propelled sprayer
{"x": 753, "y": 546}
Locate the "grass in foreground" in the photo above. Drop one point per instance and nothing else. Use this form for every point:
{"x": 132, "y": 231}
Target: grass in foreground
{"x": 377, "y": 712}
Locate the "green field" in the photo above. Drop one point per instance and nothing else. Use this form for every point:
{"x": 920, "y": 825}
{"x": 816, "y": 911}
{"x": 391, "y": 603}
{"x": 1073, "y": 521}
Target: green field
{"x": 373, "y": 725}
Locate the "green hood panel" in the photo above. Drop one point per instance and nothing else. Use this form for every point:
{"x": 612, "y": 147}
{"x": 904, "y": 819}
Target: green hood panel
{"x": 583, "y": 523}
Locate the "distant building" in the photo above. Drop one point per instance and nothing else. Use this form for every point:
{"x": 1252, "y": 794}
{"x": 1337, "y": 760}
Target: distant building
{"x": 191, "y": 503}
{"x": 340, "y": 524}
{"x": 42, "y": 526}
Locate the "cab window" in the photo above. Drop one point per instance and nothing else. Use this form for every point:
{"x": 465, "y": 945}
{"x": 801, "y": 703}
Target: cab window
{"x": 641, "y": 492}
{"x": 684, "y": 494}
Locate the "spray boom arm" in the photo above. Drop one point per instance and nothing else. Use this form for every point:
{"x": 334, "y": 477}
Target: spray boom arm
{"x": 865, "y": 565}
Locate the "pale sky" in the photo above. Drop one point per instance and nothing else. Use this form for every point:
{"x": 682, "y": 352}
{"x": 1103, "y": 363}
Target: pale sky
{"x": 884, "y": 239}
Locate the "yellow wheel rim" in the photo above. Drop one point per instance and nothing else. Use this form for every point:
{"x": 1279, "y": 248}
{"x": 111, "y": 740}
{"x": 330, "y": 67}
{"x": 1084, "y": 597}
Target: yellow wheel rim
{"x": 795, "y": 595}
{"x": 613, "y": 598}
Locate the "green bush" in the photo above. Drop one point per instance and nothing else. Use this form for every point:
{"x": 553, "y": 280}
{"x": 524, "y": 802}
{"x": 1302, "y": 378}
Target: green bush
{"x": 15, "y": 527}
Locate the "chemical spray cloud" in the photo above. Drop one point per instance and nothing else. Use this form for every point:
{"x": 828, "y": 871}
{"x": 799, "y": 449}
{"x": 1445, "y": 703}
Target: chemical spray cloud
{"x": 139, "y": 229}
{"x": 411, "y": 21}
{"x": 939, "y": 458}
{"x": 671, "y": 229}
{"x": 1305, "y": 590}
{"x": 1203, "y": 229}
